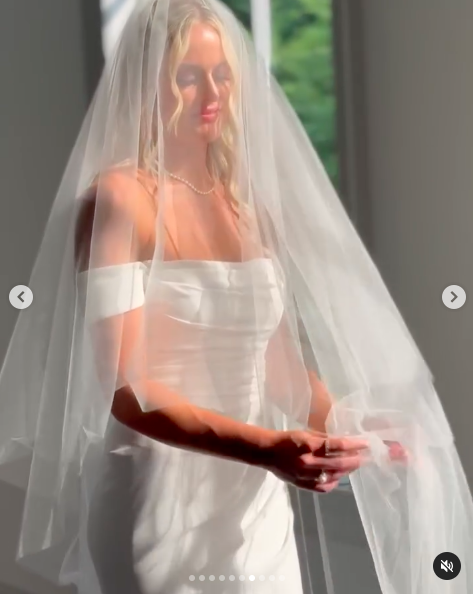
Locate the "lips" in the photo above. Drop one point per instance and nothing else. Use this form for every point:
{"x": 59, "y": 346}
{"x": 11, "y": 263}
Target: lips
{"x": 210, "y": 114}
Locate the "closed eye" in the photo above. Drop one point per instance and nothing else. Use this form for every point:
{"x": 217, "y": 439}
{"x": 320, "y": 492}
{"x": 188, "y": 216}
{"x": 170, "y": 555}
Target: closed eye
{"x": 188, "y": 75}
{"x": 222, "y": 73}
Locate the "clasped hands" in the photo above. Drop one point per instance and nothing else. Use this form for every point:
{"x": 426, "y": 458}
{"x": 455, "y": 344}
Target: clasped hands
{"x": 304, "y": 458}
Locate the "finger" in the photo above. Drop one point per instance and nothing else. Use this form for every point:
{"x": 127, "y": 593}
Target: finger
{"x": 326, "y": 487}
{"x": 343, "y": 454}
{"x": 397, "y": 452}
{"x": 313, "y": 486}
{"x": 308, "y": 464}
{"x": 325, "y": 450}
{"x": 346, "y": 444}
{"x": 338, "y": 475}
{"x": 338, "y": 463}
{"x": 310, "y": 467}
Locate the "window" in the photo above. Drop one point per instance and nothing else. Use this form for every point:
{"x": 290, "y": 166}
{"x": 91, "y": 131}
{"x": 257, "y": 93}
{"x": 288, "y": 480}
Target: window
{"x": 303, "y": 64}
{"x": 114, "y": 16}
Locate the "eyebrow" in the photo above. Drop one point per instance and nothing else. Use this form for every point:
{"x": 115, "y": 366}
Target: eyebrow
{"x": 193, "y": 65}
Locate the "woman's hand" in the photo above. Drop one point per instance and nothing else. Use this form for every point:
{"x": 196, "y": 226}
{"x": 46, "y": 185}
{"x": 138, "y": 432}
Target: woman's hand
{"x": 396, "y": 451}
{"x": 299, "y": 458}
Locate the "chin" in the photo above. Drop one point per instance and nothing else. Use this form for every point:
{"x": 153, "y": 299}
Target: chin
{"x": 209, "y": 132}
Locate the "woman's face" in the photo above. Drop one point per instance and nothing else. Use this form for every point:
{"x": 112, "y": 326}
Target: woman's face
{"x": 204, "y": 81}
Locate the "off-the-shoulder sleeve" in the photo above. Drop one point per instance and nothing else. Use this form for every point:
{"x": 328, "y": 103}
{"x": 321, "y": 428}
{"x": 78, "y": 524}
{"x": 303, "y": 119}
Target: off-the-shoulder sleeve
{"x": 112, "y": 290}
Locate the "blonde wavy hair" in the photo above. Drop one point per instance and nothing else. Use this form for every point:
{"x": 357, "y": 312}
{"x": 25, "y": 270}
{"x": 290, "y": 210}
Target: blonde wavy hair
{"x": 221, "y": 152}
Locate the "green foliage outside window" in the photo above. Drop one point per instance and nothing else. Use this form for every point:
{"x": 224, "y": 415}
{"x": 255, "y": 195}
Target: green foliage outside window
{"x": 302, "y": 62}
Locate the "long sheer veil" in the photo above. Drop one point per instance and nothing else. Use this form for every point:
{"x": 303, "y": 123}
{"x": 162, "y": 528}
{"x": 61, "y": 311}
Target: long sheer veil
{"x": 63, "y": 363}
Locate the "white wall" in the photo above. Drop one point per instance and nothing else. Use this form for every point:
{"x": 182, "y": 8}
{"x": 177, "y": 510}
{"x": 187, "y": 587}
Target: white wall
{"x": 45, "y": 61}
{"x": 419, "y": 93}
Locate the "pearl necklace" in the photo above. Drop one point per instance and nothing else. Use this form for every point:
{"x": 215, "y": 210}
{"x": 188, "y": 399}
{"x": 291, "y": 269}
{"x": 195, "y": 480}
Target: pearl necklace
{"x": 188, "y": 183}
{"x": 185, "y": 181}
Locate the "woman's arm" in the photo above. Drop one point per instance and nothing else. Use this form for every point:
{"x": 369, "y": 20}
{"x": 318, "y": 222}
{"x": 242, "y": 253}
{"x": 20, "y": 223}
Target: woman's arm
{"x": 321, "y": 403}
{"x": 286, "y": 370}
{"x": 178, "y": 423}
{"x": 118, "y": 342}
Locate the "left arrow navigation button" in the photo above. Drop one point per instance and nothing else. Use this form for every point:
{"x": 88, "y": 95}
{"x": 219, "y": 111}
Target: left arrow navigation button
{"x": 21, "y": 297}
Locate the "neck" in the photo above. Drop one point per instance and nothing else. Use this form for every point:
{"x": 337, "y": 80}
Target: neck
{"x": 188, "y": 162}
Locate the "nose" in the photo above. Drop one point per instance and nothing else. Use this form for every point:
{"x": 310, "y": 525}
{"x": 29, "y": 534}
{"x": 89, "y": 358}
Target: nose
{"x": 211, "y": 90}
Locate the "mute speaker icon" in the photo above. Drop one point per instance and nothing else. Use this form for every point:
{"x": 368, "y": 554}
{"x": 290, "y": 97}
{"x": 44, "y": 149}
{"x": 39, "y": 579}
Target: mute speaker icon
{"x": 447, "y": 566}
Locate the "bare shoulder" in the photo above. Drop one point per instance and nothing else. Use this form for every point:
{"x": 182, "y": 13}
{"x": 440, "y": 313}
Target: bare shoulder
{"x": 120, "y": 197}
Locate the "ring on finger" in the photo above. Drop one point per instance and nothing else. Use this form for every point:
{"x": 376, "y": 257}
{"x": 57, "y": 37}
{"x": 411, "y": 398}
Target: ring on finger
{"x": 322, "y": 478}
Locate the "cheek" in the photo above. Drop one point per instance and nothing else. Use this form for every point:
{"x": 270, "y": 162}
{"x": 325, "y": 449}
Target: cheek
{"x": 225, "y": 92}
{"x": 168, "y": 103}
{"x": 225, "y": 96}
{"x": 189, "y": 99}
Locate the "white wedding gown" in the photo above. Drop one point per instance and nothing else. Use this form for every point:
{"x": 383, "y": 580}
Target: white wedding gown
{"x": 168, "y": 521}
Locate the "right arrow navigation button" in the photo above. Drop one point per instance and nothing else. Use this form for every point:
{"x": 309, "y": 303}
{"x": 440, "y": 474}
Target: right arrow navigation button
{"x": 454, "y": 297}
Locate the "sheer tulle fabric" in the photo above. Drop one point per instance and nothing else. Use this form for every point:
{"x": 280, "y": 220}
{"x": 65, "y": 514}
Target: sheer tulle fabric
{"x": 272, "y": 284}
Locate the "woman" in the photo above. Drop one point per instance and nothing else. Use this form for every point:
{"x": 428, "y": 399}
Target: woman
{"x": 187, "y": 514}
{"x": 186, "y": 305}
